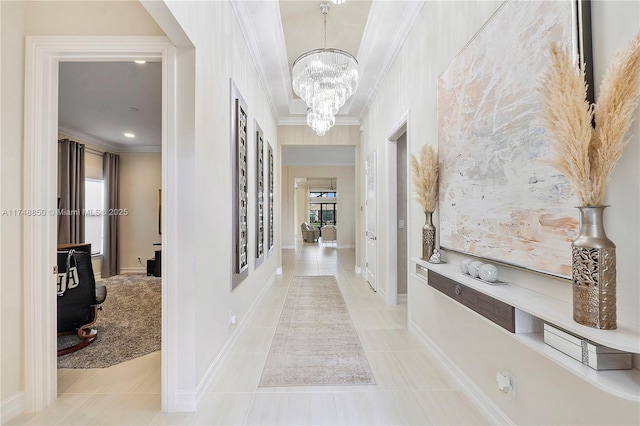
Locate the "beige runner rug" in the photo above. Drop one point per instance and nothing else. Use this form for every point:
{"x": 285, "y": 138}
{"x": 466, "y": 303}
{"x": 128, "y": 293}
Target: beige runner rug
{"x": 315, "y": 342}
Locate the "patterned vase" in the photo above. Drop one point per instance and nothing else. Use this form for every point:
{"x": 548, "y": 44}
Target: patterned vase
{"x": 428, "y": 237}
{"x": 594, "y": 272}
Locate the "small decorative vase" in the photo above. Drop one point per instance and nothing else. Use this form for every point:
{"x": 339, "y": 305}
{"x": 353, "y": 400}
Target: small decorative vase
{"x": 428, "y": 237}
{"x": 594, "y": 272}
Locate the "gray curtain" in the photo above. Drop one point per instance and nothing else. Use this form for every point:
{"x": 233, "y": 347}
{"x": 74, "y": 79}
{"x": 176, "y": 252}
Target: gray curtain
{"x": 70, "y": 191}
{"x": 111, "y": 174}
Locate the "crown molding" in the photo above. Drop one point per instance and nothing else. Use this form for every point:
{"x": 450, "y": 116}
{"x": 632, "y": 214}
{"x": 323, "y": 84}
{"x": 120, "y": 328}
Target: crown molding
{"x": 101, "y": 143}
{"x": 273, "y": 71}
{"x": 302, "y": 121}
{"x": 383, "y": 15}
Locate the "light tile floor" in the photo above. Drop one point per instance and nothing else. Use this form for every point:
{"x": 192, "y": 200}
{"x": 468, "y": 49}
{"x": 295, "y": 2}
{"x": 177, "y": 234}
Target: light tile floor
{"x": 411, "y": 387}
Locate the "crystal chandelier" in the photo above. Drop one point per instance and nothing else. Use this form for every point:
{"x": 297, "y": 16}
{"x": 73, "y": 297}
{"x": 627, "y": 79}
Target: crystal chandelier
{"x": 324, "y": 79}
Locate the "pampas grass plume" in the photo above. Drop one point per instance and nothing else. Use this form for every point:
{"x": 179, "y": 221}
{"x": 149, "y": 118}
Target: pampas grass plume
{"x": 425, "y": 178}
{"x": 587, "y": 155}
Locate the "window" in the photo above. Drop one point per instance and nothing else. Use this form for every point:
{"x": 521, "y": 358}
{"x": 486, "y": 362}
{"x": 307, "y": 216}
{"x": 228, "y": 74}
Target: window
{"x": 94, "y": 207}
{"x": 322, "y": 208}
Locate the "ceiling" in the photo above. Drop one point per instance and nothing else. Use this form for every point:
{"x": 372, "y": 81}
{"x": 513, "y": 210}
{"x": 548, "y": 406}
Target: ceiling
{"x": 317, "y": 183}
{"x": 278, "y": 32}
{"x": 100, "y": 101}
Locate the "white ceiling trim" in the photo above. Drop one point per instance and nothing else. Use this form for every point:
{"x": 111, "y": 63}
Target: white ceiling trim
{"x": 263, "y": 18}
{"x": 385, "y": 21}
{"x": 109, "y": 146}
{"x": 297, "y": 121}
{"x": 387, "y": 27}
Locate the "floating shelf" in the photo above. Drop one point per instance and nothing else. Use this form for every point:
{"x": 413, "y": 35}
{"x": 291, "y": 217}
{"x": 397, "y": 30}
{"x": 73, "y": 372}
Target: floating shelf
{"x": 622, "y": 383}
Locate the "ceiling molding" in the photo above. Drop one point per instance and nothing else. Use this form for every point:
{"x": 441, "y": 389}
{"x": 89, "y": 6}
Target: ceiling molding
{"x": 82, "y": 137}
{"x": 299, "y": 121}
{"x": 263, "y": 18}
{"x": 387, "y": 27}
{"x": 87, "y": 138}
{"x": 385, "y": 14}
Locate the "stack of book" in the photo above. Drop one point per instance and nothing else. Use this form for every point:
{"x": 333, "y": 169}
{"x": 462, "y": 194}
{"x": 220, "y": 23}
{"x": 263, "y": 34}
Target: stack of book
{"x": 595, "y": 356}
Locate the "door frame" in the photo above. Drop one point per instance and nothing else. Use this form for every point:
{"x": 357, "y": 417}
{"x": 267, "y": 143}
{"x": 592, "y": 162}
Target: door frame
{"x": 391, "y": 183}
{"x": 43, "y": 54}
{"x": 373, "y": 154}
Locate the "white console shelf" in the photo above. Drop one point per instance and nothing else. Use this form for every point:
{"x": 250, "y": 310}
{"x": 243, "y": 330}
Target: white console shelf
{"x": 622, "y": 383}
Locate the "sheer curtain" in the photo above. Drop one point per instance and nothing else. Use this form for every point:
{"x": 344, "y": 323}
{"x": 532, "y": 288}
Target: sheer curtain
{"x": 70, "y": 191}
{"x": 111, "y": 170}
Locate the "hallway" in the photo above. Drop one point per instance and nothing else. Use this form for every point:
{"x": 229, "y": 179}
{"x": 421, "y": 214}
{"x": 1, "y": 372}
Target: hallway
{"x": 410, "y": 387}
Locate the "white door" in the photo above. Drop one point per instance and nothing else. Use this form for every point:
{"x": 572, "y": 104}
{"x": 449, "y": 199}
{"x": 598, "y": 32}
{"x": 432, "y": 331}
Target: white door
{"x": 371, "y": 249}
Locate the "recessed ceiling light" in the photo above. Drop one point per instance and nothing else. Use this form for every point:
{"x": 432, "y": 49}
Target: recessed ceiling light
{"x": 130, "y": 135}
{"x": 140, "y": 62}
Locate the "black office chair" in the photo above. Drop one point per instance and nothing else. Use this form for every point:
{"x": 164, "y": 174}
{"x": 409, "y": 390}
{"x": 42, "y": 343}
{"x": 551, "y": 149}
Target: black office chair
{"x": 79, "y": 299}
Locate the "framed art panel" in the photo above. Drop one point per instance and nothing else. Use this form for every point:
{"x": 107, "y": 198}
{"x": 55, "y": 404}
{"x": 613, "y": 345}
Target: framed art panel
{"x": 260, "y": 207}
{"x": 270, "y": 185}
{"x": 499, "y": 198}
{"x": 239, "y": 177}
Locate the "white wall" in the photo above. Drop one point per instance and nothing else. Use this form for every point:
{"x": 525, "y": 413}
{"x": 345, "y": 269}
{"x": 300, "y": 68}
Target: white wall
{"x": 18, "y": 20}
{"x": 346, "y": 207}
{"x": 140, "y": 180}
{"x": 206, "y": 298}
{"x": 546, "y": 393}
{"x": 301, "y": 136}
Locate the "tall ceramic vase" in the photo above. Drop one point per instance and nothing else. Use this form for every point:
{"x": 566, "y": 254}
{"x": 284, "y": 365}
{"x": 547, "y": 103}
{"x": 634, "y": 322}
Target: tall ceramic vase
{"x": 594, "y": 272}
{"x": 428, "y": 237}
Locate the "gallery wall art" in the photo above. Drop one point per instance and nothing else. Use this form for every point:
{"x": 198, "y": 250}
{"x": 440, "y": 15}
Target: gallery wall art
{"x": 260, "y": 210}
{"x": 239, "y": 177}
{"x": 270, "y": 186}
{"x": 499, "y": 198}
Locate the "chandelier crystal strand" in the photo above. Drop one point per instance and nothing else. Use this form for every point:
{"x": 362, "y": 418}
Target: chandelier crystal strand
{"x": 324, "y": 79}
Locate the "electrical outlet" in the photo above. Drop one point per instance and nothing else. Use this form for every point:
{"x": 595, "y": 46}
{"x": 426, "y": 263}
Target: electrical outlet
{"x": 506, "y": 382}
{"x": 232, "y": 318}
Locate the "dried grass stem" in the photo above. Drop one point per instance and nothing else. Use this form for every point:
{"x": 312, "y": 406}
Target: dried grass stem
{"x": 587, "y": 155}
{"x": 425, "y": 178}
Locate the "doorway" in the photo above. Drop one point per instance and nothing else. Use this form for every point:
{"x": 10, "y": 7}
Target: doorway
{"x": 114, "y": 110}
{"x": 396, "y": 252}
{"x": 40, "y": 168}
{"x": 401, "y": 217}
{"x": 371, "y": 230}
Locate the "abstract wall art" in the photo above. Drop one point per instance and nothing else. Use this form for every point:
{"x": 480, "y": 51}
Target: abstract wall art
{"x": 499, "y": 198}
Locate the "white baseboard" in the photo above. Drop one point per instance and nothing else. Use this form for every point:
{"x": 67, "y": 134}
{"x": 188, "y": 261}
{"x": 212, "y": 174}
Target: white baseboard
{"x": 402, "y": 298}
{"x": 10, "y": 408}
{"x": 358, "y": 270}
{"x": 471, "y": 390}
{"x": 133, "y": 270}
{"x": 186, "y": 402}
{"x": 226, "y": 349}
{"x": 279, "y": 271}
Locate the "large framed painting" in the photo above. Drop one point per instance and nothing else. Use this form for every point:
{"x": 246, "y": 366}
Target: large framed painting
{"x": 260, "y": 210}
{"x": 499, "y": 198}
{"x": 240, "y": 192}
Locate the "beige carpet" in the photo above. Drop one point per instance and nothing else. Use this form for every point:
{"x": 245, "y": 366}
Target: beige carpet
{"x": 315, "y": 342}
{"x": 129, "y": 325}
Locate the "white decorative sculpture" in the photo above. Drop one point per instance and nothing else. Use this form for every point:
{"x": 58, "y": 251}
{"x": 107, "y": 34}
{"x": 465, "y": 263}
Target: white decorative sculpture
{"x": 435, "y": 257}
{"x": 488, "y": 273}
{"x": 474, "y": 268}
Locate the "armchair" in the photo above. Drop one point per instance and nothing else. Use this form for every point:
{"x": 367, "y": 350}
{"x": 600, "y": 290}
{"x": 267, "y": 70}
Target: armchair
{"x": 309, "y": 233}
{"x": 79, "y": 299}
{"x": 329, "y": 233}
